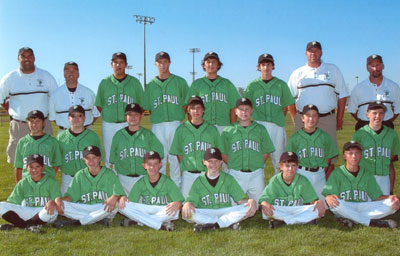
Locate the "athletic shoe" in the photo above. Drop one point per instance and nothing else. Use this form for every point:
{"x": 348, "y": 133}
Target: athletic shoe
{"x": 107, "y": 222}
{"x": 167, "y": 226}
{"x": 276, "y": 224}
{"x": 7, "y": 227}
{"x": 127, "y": 222}
{"x": 383, "y": 223}
{"x": 63, "y": 223}
{"x": 235, "y": 226}
{"x": 347, "y": 223}
{"x": 34, "y": 228}
{"x": 202, "y": 227}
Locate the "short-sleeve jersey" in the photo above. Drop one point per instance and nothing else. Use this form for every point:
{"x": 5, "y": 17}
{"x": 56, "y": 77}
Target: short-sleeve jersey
{"x": 219, "y": 98}
{"x": 86, "y": 189}
{"x": 47, "y": 146}
{"x": 269, "y": 99}
{"x": 299, "y": 192}
{"x": 203, "y": 195}
{"x": 312, "y": 150}
{"x": 245, "y": 147}
{"x": 163, "y": 193}
{"x": 72, "y": 148}
{"x": 113, "y": 96}
{"x": 127, "y": 151}
{"x": 353, "y": 189}
{"x": 377, "y": 148}
{"x": 191, "y": 143}
{"x": 166, "y": 99}
{"x": 35, "y": 194}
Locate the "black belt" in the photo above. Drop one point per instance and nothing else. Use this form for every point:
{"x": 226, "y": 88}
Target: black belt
{"x": 322, "y": 115}
{"x": 133, "y": 175}
{"x": 309, "y": 169}
{"x": 245, "y": 170}
{"x": 194, "y": 171}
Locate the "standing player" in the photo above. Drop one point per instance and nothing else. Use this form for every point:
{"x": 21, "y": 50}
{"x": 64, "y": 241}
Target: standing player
{"x": 381, "y": 146}
{"x": 93, "y": 193}
{"x": 191, "y": 140}
{"x": 27, "y": 89}
{"x": 72, "y": 142}
{"x": 114, "y": 93}
{"x": 246, "y": 146}
{"x": 165, "y": 97}
{"x": 70, "y": 94}
{"x": 209, "y": 201}
{"x": 349, "y": 188}
{"x": 289, "y": 198}
{"x": 271, "y": 99}
{"x": 32, "y": 201}
{"x": 154, "y": 200}
{"x": 129, "y": 146}
{"x": 218, "y": 94}
{"x": 315, "y": 149}
{"x": 37, "y": 142}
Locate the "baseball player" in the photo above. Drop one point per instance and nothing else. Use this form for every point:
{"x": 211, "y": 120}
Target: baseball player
{"x": 246, "y": 146}
{"x": 129, "y": 146}
{"x": 219, "y": 95}
{"x": 72, "y": 142}
{"x": 93, "y": 193}
{"x": 349, "y": 188}
{"x": 209, "y": 201}
{"x": 375, "y": 87}
{"x": 27, "y": 88}
{"x": 271, "y": 99}
{"x": 165, "y": 97}
{"x": 70, "y": 94}
{"x": 315, "y": 149}
{"x": 37, "y": 142}
{"x": 191, "y": 140}
{"x": 289, "y": 198}
{"x": 114, "y": 93}
{"x": 32, "y": 201}
{"x": 381, "y": 146}
{"x": 154, "y": 200}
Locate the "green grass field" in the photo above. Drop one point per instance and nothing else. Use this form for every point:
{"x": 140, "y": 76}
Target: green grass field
{"x": 328, "y": 238}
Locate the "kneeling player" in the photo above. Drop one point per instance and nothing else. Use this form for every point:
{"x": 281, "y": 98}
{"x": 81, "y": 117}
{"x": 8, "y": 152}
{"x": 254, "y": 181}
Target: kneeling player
{"x": 209, "y": 200}
{"x": 154, "y": 200}
{"x": 349, "y": 188}
{"x": 93, "y": 193}
{"x": 287, "y": 194}
{"x": 31, "y": 204}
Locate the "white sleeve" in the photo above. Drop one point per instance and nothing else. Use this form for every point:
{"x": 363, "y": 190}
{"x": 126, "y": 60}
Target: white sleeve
{"x": 52, "y": 109}
{"x": 292, "y": 83}
{"x": 352, "y": 107}
{"x": 4, "y": 90}
{"x": 396, "y": 102}
{"x": 340, "y": 86}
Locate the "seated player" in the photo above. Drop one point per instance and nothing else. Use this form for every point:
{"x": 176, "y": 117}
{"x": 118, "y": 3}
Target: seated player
{"x": 129, "y": 145}
{"x": 154, "y": 200}
{"x": 349, "y": 188}
{"x": 209, "y": 200}
{"x": 72, "y": 142}
{"x": 31, "y": 204}
{"x": 289, "y": 198}
{"x": 93, "y": 193}
{"x": 37, "y": 142}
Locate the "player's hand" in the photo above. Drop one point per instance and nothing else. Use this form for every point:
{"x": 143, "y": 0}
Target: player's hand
{"x": 339, "y": 124}
{"x": 122, "y": 202}
{"x": 187, "y": 210}
{"x": 59, "y": 205}
{"x": 173, "y": 208}
{"x": 319, "y": 205}
{"x": 50, "y": 207}
{"x": 267, "y": 209}
{"x": 332, "y": 201}
{"x": 395, "y": 202}
{"x": 109, "y": 204}
{"x": 251, "y": 203}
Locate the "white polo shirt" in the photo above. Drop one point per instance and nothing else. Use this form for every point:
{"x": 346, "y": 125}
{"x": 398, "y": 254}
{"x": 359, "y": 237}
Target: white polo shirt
{"x": 320, "y": 86}
{"x": 366, "y": 92}
{"x": 62, "y": 99}
{"x": 27, "y": 92}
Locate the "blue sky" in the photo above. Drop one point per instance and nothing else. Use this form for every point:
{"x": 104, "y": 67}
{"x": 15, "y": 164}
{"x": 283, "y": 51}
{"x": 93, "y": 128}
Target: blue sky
{"x": 88, "y": 32}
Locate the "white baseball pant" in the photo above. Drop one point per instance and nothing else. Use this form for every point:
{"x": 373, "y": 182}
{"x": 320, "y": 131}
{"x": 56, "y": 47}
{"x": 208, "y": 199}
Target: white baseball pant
{"x": 294, "y": 214}
{"x": 187, "y": 182}
{"x": 65, "y": 182}
{"x": 278, "y": 137}
{"x": 108, "y": 131}
{"x": 87, "y": 213}
{"x": 127, "y": 182}
{"x": 27, "y": 213}
{"x": 252, "y": 183}
{"x": 384, "y": 183}
{"x": 317, "y": 180}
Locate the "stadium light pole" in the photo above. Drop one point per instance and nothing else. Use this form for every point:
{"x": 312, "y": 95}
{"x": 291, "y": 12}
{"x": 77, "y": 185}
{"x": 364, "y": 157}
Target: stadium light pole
{"x": 139, "y": 75}
{"x": 129, "y": 67}
{"x": 193, "y": 51}
{"x": 145, "y": 20}
{"x": 357, "y": 79}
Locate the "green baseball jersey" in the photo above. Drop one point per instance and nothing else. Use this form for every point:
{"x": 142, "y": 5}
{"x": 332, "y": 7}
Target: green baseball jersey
{"x": 166, "y": 99}
{"x": 86, "y": 189}
{"x": 127, "y": 151}
{"x": 72, "y": 148}
{"x": 219, "y": 98}
{"x": 245, "y": 147}
{"x": 203, "y": 195}
{"x": 35, "y": 194}
{"x": 163, "y": 193}
{"x": 377, "y": 148}
{"x": 269, "y": 99}
{"x": 299, "y": 192}
{"x": 113, "y": 96}
{"x": 191, "y": 143}
{"x": 353, "y": 189}
{"x": 47, "y": 146}
{"x": 313, "y": 150}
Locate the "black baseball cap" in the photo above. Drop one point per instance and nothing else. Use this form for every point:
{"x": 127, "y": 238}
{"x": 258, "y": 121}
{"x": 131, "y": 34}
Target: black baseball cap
{"x": 352, "y": 144}
{"x": 376, "y": 105}
{"x": 151, "y": 155}
{"x": 76, "y": 108}
{"x": 120, "y": 55}
{"x": 243, "y": 101}
{"x": 35, "y": 158}
{"x": 309, "y": 107}
{"x": 133, "y": 107}
{"x": 288, "y": 157}
{"x": 374, "y": 57}
{"x": 212, "y": 55}
{"x": 212, "y": 153}
{"x": 265, "y": 58}
{"x": 24, "y": 49}
{"x": 71, "y": 63}
{"x": 91, "y": 150}
{"x": 312, "y": 44}
{"x": 35, "y": 114}
{"x": 194, "y": 100}
{"x": 162, "y": 55}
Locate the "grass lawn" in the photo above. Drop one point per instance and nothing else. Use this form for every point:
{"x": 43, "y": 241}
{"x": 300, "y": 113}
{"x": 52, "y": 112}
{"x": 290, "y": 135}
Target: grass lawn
{"x": 328, "y": 238}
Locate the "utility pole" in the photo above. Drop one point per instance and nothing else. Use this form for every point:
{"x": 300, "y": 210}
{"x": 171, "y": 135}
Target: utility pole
{"x": 193, "y": 51}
